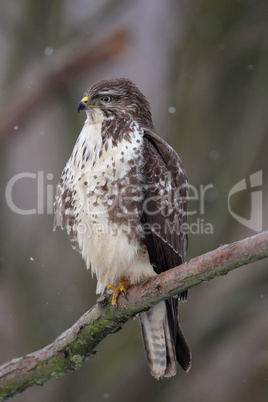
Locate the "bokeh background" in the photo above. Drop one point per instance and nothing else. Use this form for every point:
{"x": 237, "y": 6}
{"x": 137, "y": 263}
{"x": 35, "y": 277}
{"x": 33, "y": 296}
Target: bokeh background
{"x": 203, "y": 65}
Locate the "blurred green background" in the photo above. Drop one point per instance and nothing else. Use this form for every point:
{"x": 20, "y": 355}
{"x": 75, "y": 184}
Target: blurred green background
{"x": 203, "y": 65}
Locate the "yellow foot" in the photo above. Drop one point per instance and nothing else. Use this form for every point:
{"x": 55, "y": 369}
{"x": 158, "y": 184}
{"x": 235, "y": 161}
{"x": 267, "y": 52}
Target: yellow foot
{"x": 122, "y": 287}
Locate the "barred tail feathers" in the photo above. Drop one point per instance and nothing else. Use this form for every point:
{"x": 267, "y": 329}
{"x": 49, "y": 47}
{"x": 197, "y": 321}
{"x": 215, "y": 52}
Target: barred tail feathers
{"x": 158, "y": 341}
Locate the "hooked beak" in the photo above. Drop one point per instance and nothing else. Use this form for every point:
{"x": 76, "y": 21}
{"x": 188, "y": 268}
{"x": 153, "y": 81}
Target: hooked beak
{"x": 84, "y": 104}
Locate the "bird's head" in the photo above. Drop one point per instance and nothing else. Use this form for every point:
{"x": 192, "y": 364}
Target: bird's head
{"x": 119, "y": 98}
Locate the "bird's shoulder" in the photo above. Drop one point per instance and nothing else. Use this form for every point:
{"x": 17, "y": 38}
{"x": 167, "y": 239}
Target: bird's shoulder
{"x": 165, "y": 203}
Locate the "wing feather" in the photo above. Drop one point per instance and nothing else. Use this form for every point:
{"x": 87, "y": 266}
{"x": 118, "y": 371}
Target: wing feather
{"x": 64, "y": 210}
{"x": 165, "y": 206}
{"x": 164, "y": 218}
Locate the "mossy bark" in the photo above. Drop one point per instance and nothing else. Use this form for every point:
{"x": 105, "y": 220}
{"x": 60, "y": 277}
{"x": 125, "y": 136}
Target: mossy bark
{"x": 72, "y": 348}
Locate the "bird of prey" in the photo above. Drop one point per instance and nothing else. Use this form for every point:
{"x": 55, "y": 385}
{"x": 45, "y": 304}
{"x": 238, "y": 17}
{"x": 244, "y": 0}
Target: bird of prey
{"x": 122, "y": 198}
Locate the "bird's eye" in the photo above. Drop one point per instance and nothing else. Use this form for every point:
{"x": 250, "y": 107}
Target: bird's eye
{"x": 106, "y": 99}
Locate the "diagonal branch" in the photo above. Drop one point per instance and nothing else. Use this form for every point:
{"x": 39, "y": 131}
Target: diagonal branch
{"x": 68, "y": 64}
{"x": 72, "y": 348}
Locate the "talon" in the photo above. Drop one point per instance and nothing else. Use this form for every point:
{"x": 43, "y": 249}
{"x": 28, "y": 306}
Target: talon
{"x": 122, "y": 287}
{"x": 123, "y": 293}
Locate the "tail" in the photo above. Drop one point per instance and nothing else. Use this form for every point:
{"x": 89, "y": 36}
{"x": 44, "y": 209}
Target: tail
{"x": 163, "y": 340}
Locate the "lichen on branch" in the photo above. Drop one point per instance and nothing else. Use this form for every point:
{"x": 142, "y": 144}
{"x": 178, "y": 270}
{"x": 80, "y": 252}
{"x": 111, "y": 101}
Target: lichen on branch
{"x": 73, "y": 347}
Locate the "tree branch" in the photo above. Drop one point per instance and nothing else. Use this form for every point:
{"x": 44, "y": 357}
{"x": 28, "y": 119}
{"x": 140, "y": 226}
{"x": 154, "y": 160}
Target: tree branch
{"x": 55, "y": 75}
{"x": 72, "y": 348}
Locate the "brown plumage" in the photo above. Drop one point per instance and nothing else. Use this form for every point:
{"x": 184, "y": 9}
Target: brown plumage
{"x": 123, "y": 199}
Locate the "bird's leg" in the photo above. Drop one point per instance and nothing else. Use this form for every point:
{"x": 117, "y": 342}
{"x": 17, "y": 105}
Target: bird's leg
{"x": 122, "y": 287}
